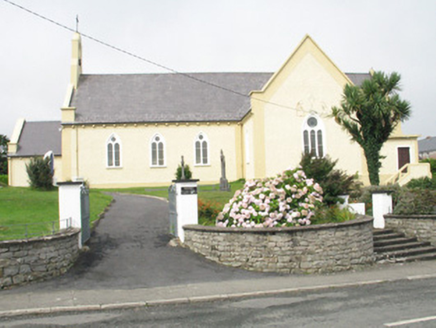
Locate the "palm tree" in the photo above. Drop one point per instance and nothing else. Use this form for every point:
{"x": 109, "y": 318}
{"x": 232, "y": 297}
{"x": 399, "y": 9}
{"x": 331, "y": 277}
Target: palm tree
{"x": 370, "y": 113}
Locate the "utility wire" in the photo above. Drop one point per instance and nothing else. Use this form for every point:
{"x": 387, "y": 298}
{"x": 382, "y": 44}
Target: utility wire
{"x": 150, "y": 61}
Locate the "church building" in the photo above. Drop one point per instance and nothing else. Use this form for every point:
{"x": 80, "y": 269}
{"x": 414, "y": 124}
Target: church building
{"x": 125, "y": 130}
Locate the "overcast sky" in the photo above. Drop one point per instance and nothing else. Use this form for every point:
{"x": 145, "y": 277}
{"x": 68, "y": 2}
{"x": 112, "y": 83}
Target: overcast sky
{"x": 212, "y": 36}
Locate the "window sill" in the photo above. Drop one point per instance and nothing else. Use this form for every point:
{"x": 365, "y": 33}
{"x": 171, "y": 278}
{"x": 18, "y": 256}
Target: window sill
{"x": 114, "y": 167}
{"x": 158, "y": 166}
{"x": 201, "y": 165}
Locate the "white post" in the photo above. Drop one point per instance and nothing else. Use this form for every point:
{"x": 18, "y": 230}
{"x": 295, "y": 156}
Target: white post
{"x": 70, "y": 214}
{"x": 186, "y": 205}
{"x": 345, "y": 203}
{"x": 381, "y": 205}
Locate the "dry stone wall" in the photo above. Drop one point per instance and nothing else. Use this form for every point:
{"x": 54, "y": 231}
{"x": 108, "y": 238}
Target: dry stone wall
{"x": 23, "y": 261}
{"x": 422, "y": 227}
{"x": 308, "y": 249}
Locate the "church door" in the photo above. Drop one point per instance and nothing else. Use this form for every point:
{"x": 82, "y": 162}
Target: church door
{"x": 403, "y": 156}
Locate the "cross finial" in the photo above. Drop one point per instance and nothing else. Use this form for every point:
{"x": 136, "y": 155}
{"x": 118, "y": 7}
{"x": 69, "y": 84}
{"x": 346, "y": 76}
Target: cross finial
{"x": 77, "y": 23}
{"x": 183, "y": 170}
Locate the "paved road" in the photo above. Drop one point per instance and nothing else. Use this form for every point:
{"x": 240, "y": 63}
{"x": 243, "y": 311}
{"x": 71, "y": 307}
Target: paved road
{"x": 129, "y": 249}
{"x": 408, "y": 304}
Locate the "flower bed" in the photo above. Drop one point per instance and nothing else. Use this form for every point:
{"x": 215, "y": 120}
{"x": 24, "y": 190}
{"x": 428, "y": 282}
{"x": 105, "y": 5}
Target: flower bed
{"x": 304, "y": 249}
{"x": 289, "y": 199}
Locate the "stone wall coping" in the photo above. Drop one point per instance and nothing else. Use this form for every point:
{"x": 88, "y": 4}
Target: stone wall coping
{"x": 411, "y": 217}
{"x": 362, "y": 219}
{"x": 59, "y": 235}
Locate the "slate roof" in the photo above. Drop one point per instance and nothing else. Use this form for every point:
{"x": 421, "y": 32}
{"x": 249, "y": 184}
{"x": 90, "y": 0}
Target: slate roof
{"x": 164, "y": 97}
{"x": 427, "y": 144}
{"x": 127, "y": 98}
{"x": 358, "y": 78}
{"x": 37, "y": 138}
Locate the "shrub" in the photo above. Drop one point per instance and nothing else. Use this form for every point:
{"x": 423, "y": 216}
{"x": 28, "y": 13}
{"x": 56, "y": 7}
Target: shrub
{"x": 207, "y": 212}
{"x": 415, "y": 201}
{"x": 289, "y": 199}
{"x": 333, "y": 182}
{"x": 3, "y": 179}
{"x": 188, "y": 173}
{"x": 39, "y": 173}
{"x": 332, "y": 214}
{"x": 422, "y": 183}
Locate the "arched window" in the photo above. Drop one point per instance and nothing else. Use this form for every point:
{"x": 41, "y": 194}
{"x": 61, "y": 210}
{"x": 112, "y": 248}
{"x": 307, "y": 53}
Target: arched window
{"x": 113, "y": 151}
{"x": 201, "y": 145}
{"x": 157, "y": 150}
{"x": 313, "y": 136}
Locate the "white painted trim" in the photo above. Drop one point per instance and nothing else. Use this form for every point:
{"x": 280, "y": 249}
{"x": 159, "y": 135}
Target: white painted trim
{"x": 320, "y": 126}
{"x": 162, "y": 139}
{"x": 118, "y": 140}
{"x": 205, "y": 138}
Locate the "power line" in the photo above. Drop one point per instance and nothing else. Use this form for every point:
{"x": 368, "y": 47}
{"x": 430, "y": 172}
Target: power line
{"x": 150, "y": 61}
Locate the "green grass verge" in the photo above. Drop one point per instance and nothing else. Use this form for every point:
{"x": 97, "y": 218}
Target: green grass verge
{"x": 206, "y": 193}
{"x": 156, "y": 191}
{"x": 38, "y": 210}
{"x": 3, "y": 180}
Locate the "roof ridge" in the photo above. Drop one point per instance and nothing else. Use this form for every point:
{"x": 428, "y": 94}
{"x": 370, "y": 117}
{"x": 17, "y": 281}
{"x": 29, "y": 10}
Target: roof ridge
{"x": 179, "y": 73}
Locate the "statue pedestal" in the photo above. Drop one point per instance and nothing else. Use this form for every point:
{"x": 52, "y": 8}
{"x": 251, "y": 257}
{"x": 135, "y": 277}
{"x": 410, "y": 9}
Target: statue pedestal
{"x": 224, "y": 185}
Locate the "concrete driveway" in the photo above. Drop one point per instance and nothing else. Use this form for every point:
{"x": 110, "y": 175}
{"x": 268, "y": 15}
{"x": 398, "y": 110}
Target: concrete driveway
{"x": 129, "y": 249}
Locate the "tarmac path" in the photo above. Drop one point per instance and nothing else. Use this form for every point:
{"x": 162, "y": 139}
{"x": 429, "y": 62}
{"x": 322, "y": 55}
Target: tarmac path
{"x": 129, "y": 249}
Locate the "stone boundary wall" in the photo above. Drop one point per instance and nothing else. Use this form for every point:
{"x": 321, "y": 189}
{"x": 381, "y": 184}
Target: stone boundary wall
{"x": 26, "y": 260}
{"x": 422, "y": 227}
{"x": 308, "y": 249}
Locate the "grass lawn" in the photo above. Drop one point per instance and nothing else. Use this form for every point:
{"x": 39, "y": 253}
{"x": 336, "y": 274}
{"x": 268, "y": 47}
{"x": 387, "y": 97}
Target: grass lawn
{"x": 206, "y": 193}
{"x": 37, "y": 209}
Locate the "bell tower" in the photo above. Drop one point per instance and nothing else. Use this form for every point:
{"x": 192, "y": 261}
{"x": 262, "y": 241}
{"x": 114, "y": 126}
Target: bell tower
{"x": 76, "y": 59}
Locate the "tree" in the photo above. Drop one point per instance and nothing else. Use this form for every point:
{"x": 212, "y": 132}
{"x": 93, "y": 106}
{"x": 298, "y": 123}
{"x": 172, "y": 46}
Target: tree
{"x": 370, "y": 113}
{"x": 3, "y": 154}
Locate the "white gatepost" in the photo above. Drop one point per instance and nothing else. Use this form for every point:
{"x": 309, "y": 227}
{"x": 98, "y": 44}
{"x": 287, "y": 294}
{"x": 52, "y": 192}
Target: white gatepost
{"x": 70, "y": 215}
{"x": 186, "y": 199}
{"x": 381, "y": 205}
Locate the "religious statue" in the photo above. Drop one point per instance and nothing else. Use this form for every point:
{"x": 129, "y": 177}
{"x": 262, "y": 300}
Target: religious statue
{"x": 224, "y": 184}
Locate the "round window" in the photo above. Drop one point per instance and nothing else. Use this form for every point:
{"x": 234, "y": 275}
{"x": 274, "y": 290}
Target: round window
{"x": 312, "y": 122}
{"x": 200, "y": 137}
{"x": 113, "y": 139}
{"x": 157, "y": 138}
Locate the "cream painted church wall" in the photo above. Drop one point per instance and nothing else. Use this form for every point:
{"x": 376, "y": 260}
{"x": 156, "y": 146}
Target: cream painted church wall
{"x": 307, "y": 83}
{"x": 136, "y": 169}
{"x": 18, "y": 174}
